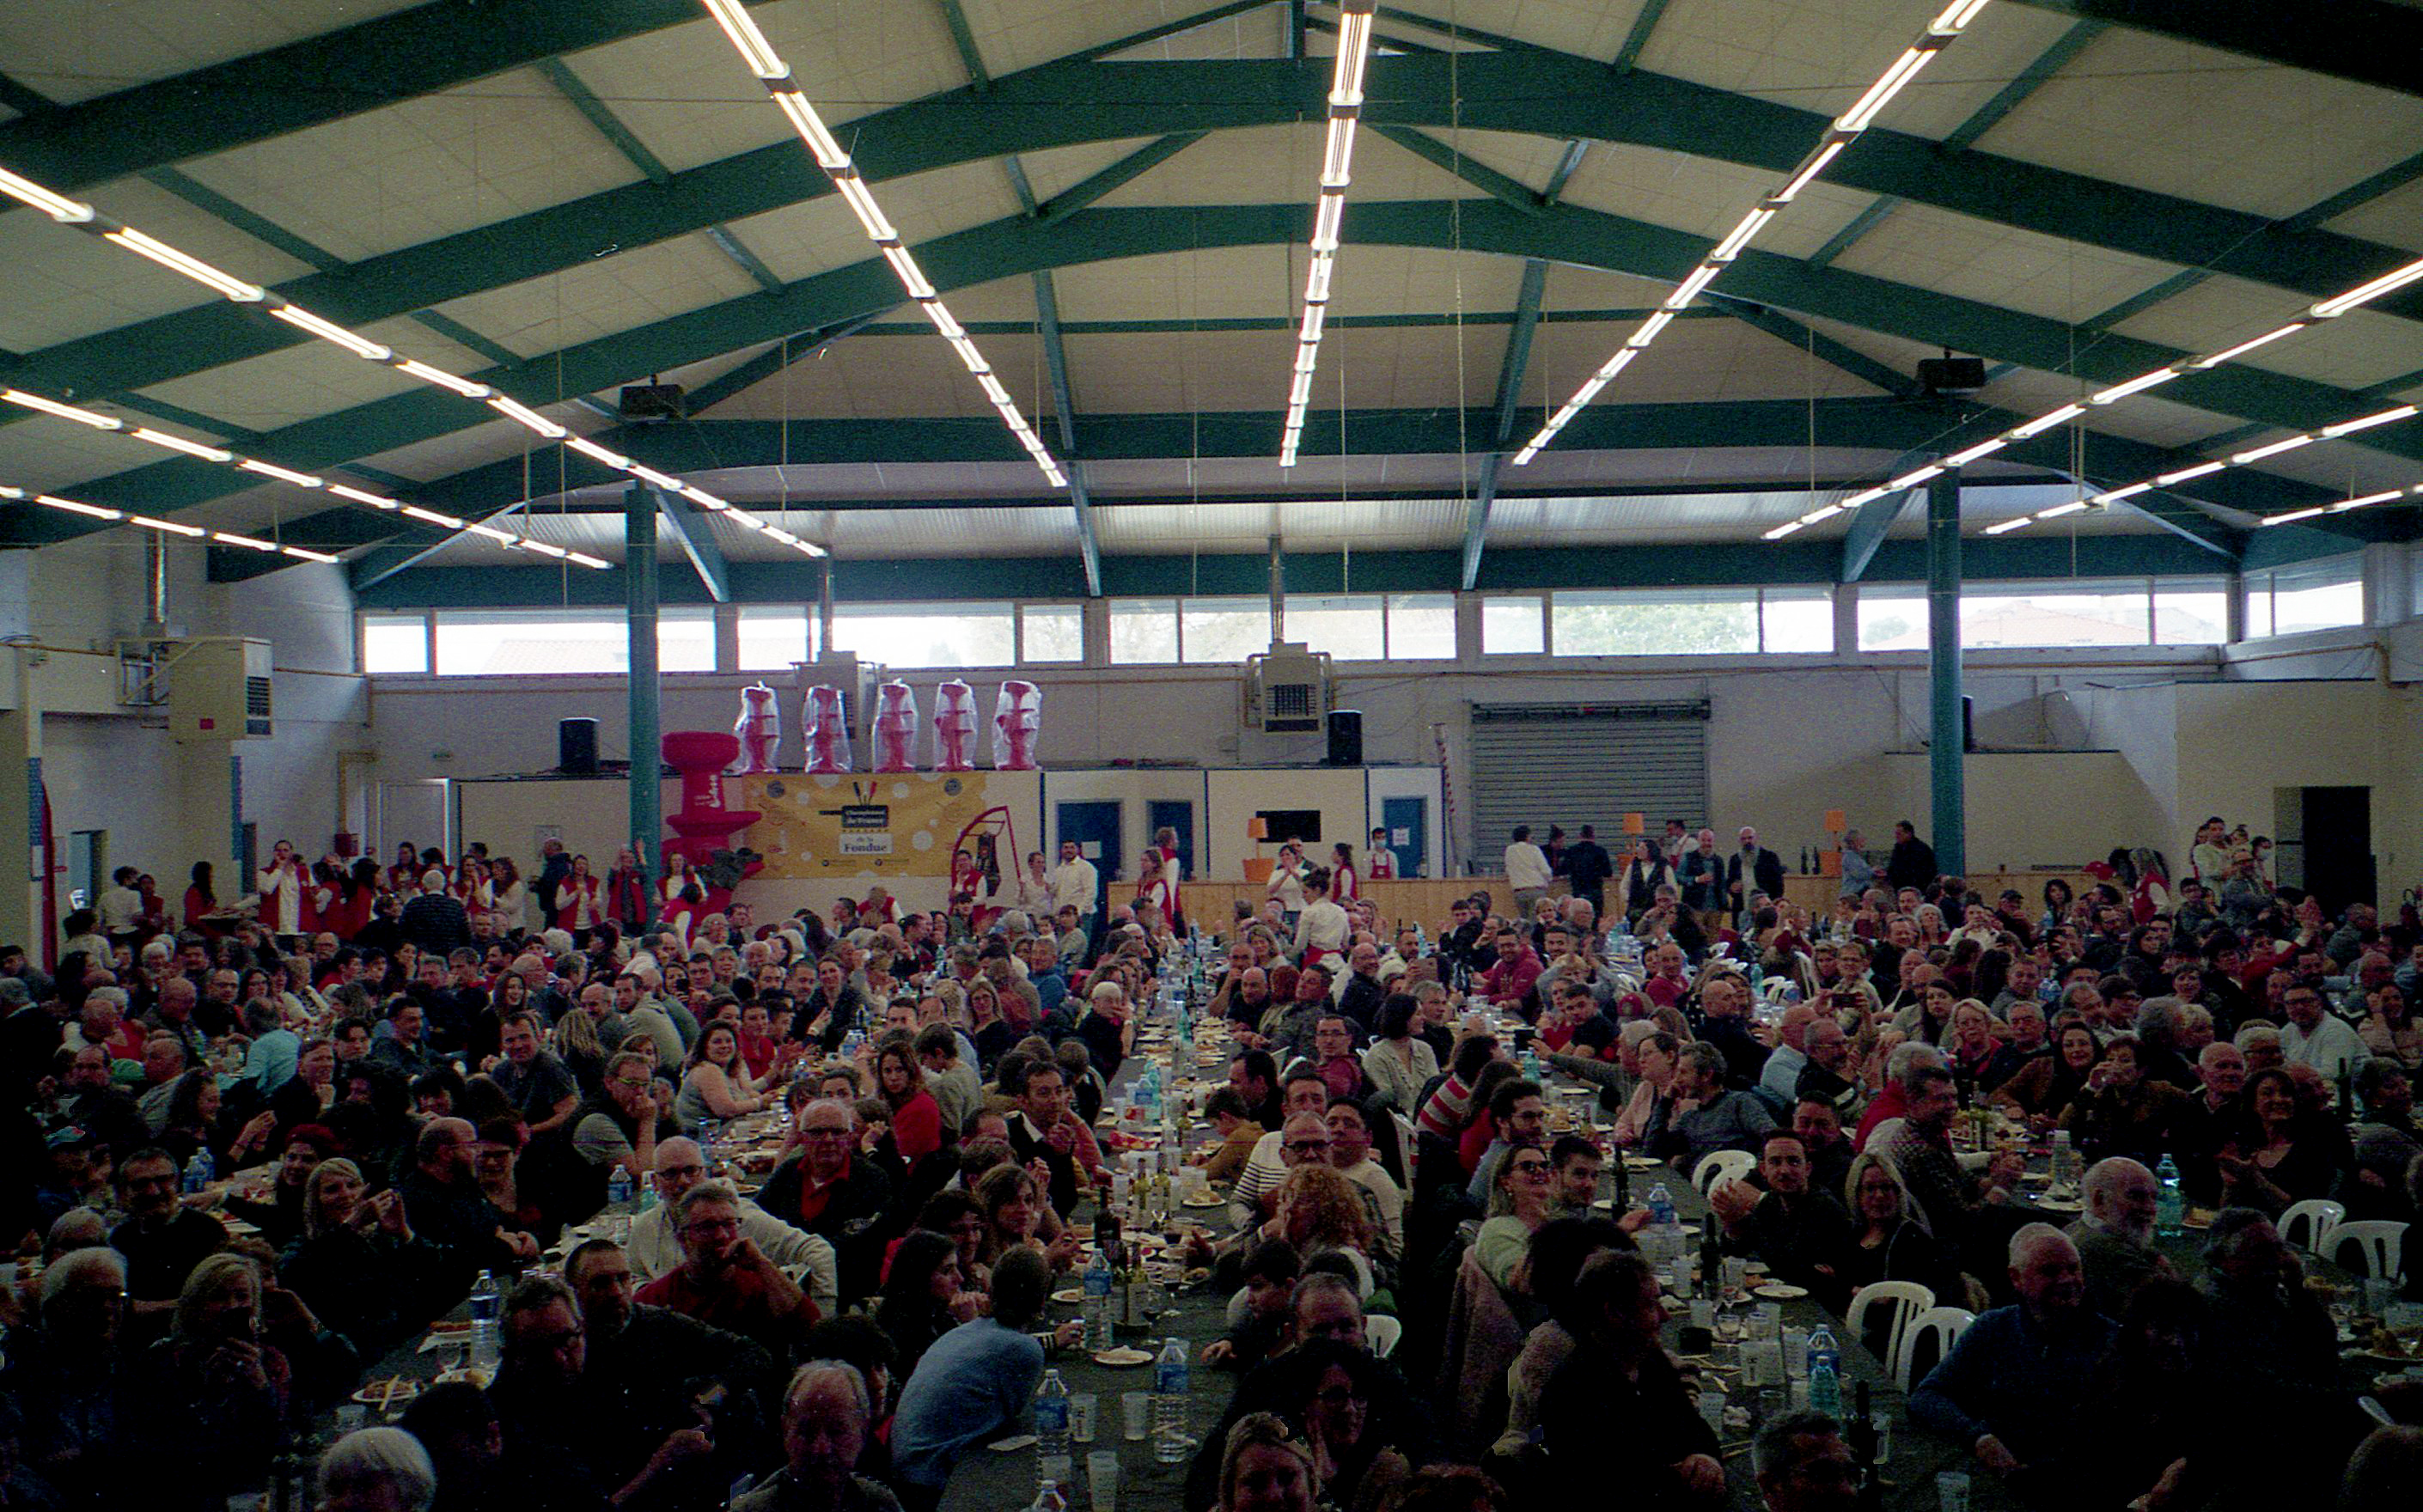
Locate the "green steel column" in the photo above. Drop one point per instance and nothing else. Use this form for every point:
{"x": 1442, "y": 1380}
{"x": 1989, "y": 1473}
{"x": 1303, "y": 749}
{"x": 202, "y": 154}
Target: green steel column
{"x": 1943, "y": 669}
{"x": 647, "y": 692}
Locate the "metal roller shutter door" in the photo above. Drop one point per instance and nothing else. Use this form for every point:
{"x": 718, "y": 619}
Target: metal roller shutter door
{"x": 1543, "y": 766}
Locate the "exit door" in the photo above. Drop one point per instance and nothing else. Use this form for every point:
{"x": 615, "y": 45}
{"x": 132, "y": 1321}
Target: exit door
{"x": 1095, "y": 829}
{"x": 1408, "y": 822}
{"x": 2338, "y": 834}
{"x": 88, "y": 853}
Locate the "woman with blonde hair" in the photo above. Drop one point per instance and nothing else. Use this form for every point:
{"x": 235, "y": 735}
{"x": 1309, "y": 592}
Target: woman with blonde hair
{"x": 213, "y": 1395}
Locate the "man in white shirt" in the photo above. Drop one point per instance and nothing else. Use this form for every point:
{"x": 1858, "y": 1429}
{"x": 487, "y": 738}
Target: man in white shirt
{"x": 281, "y": 885}
{"x": 654, "y": 1250}
{"x": 120, "y": 906}
{"x": 1527, "y": 871}
{"x": 1075, "y": 884}
{"x": 2318, "y": 1038}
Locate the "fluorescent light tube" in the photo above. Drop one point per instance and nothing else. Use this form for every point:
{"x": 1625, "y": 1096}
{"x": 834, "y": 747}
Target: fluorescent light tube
{"x": 912, "y": 276}
{"x": 2332, "y": 433}
{"x": 443, "y": 379}
{"x": 2134, "y": 386}
{"x": 476, "y": 528}
{"x": 649, "y": 475}
{"x": 1353, "y": 59}
{"x": 1314, "y": 316}
{"x": 2291, "y": 517}
{"x": 1961, "y": 459}
{"x": 1911, "y": 480}
{"x": 1316, "y": 278}
{"x": 1782, "y": 530}
{"x": 347, "y": 490}
{"x": 1337, "y": 153}
{"x": 2115, "y": 496}
{"x": 1809, "y": 170}
{"x": 1617, "y": 363}
{"x": 943, "y": 320}
{"x": 178, "y": 443}
{"x": 321, "y": 556}
{"x": 303, "y": 320}
{"x": 2242, "y": 457}
{"x": 1522, "y": 458}
{"x": 148, "y": 523}
{"x": 1955, "y": 16}
{"x": 2364, "y": 294}
{"x": 2045, "y": 422}
{"x": 66, "y": 412}
{"x": 591, "y": 449}
{"x": 432, "y": 517}
{"x": 73, "y": 507}
{"x": 1888, "y": 85}
{"x": 524, "y": 415}
{"x": 2202, "y": 469}
{"x": 970, "y": 356}
{"x": 1820, "y": 516}
{"x": 1058, "y": 478}
{"x": 704, "y": 499}
{"x": 2347, "y": 504}
{"x": 2059, "y": 510}
{"x": 1689, "y": 290}
{"x": 2009, "y": 526}
{"x": 1649, "y": 329}
{"x": 231, "y": 539}
{"x": 587, "y": 560}
{"x": 58, "y": 207}
{"x": 1302, "y": 392}
{"x": 543, "y": 549}
{"x": 861, "y": 204}
{"x": 1864, "y": 496}
{"x": 2244, "y": 347}
{"x": 1329, "y": 213}
{"x": 285, "y": 475}
{"x": 1739, "y": 236}
{"x": 754, "y": 50}
{"x": 192, "y": 267}
{"x": 822, "y": 145}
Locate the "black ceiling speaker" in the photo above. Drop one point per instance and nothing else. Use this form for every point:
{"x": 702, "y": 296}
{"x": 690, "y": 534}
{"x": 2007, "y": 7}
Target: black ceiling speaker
{"x": 1946, "y": 374}
{"x": 642, "y": 403}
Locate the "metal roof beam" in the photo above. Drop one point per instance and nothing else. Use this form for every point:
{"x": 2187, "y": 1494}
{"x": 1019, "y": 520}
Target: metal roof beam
{"x": 693, "y": 531}
{"x": 380, "y": 62}
{"x": 2025, "y": 83}
{"x": 1063, "y": 406}
{"x": 2370, "y": 41}
{"x": 1476, "y": 519}
{"x": 1819, "y": 345}
{"x": 1480, "y": 175}
{"x": 1006, "y": 248}
{"x": 1868, "y": 527}
{"x": 1540, "y": 92}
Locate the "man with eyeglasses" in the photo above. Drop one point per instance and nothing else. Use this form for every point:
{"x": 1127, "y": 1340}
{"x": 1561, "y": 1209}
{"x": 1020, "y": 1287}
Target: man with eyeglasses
{"x": 617, "y": 1127}
{"x": 725, "y": 1281}
{"x": 1303, "y": 1140}
{"x": 655, "y": 1248}
{"x": 558, "y": 1449}
{"x": 825, "y": 1190}
{"x": 1803, "y": 1235}
{"x": 160, "y": 1240}
{"x": 1803, "y": 1465}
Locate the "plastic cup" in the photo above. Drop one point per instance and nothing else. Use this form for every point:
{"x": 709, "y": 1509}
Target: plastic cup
{"x": 1952, "y": 1491}
{"x": 1082, "y": 1409}
{"x": 1102, "y": 1479}
{"x": 1135, "y": 1415}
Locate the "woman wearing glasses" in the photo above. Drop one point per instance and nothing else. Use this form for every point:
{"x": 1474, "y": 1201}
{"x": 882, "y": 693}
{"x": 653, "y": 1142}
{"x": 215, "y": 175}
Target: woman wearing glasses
{"x": 1522, "y": 1194}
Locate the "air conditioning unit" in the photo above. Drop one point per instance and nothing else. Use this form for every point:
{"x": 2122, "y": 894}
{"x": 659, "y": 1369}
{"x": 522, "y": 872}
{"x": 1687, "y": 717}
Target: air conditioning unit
{"x": 218, "y": 689}
{"x": 1288, "y": 689}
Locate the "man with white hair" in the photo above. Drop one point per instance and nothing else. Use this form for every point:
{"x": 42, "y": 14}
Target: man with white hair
{"x": 826, "y": 1415}
{"x": 2009, "y": 1389}
{"x": 655, "y": 1248}
{"x": 1108, "y": 1031}
{"x": 2116, "y": 1235}
{"x": 377, "y": 1470}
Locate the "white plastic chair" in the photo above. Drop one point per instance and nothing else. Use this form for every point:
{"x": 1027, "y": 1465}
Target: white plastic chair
{"x": 1721, "y": 1166}
{"x": 2304, "y": 1223}
{"x": 1906, "y": 1299}
{"x": 1941, "y": 1325}
{"x": 1383, "y": 1332}
{"x": 2381, "y": 1240}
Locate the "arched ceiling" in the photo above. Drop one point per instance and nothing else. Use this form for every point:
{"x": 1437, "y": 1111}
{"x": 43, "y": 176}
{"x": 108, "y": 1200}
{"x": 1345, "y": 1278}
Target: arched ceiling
{"x": 563, "y": 197}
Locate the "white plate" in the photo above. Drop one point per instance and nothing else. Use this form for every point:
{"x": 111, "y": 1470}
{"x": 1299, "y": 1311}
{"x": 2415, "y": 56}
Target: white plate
{"x": 2059, "y": 1204}
{"x": 1071, "y": 1296}
{"x": 1776, "y": 1291}
{"x": 1122, "y": 1358}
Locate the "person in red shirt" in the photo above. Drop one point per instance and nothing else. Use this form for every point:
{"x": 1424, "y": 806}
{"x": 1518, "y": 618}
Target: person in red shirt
{"x": 725, "y": 1280}
{"x": 916, "y": 1118}
{"x": 1667, "y": 986}
{"x": 1509, "y": 983}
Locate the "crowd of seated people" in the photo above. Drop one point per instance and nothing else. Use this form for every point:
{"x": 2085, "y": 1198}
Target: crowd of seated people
{"x": 440, "y": 1068}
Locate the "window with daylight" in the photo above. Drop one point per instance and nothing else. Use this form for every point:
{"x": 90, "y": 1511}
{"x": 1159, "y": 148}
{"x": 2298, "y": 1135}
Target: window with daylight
{"x": 1349, "y": 627}
{"x": 1051, "y": 632}
{"x": 1225, "y": 629}
{"x": 549, "y": 642}
{"x": 1692, "y": 622}
{"x": 1143, "y": 632}
{"x": 1892, "y": 619}
{"x": 773, "y": 636}
{"x": 2057, "y": 614}
{"x": 2327, "y": 594}
{"x": 1422, "y": 627}
{"x": 395, "y": 643}
{"x": 1513, "y": 626}
{"x": 912, "y": 635}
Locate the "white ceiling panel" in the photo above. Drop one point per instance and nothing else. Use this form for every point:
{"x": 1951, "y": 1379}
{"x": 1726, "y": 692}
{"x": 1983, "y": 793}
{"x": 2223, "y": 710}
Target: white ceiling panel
{"x": 72, "y": 50}
{"x": 2355, "y": 350}
{"x": 1958, "y": 255}
{"x": 603, "y": 298}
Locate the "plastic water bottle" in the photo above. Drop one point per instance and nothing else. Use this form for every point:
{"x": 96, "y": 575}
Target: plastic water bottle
{"x": 1051, "y": 1431}
{"x": 707, "y": 1129}
{"x": 1661, "y": 1205}
{"x": 486, "y": 1350}
{"x": 2170, "y": 1204}
{"x": 1792, "y": 995}
{"x": 618, "y": 1186}
{"x": 1825, "y": 1386}
{"x": 1823, "y": 1348}
{"x": 2065, "y": 1163}
{"x": 1169, "y": 1439}
{"x": 1097, "y": 1310}
{"x": 200, "y": 1170}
